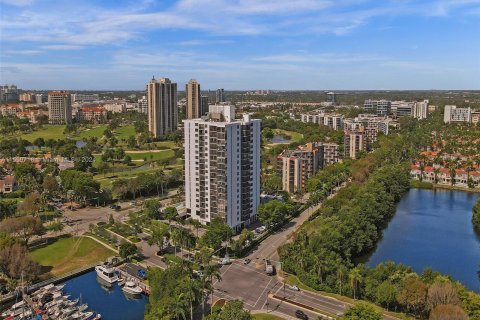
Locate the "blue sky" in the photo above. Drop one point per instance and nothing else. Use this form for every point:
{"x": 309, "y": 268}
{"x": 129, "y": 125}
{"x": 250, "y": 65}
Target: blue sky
{"x": 241, "y": 44}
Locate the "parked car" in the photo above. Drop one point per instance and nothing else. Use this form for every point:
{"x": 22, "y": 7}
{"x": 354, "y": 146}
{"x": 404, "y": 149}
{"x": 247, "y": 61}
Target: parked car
{"x": 246, "y": 261}
{"x": 142, "y": 273}
{"x": 295, "y": 288}
{"x": 260, "y": 229}
{"x": 301, "y": 315}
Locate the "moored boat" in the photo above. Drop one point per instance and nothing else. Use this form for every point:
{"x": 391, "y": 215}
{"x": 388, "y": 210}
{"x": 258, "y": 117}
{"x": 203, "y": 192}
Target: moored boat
{"x": 132, "y": 288}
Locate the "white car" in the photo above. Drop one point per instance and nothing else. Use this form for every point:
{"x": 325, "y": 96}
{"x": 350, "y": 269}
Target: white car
{"x": 295, "y": 288}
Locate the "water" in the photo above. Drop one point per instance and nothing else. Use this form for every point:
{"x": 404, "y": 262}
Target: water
{"x": 433, "y": 228}
{"x": 111, "y": 303}
{"x": 278, "y": 138}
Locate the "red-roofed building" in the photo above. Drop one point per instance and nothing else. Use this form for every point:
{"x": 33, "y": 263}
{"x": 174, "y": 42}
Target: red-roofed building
{"x": 10, "y": 109}
{"x": 97, "y": 114}
{"x": 7, "y": 184}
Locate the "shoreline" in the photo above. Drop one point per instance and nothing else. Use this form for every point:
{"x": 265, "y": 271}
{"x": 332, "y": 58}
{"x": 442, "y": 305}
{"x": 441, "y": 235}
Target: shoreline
{"x": 416, "y": 184}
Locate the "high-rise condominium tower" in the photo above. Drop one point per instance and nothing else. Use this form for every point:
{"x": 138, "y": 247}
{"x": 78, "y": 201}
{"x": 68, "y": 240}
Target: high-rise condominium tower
{"x": 162, "y": 106}
{"x": 222, "y": 167}
{"x": 220, "y": 97}
{"x": 59, "y": 107}
{"x": 195, "y": 108}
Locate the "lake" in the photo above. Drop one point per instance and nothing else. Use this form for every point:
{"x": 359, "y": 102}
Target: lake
{"x": 111, "y": 302}
{"x": 433, "y": 228}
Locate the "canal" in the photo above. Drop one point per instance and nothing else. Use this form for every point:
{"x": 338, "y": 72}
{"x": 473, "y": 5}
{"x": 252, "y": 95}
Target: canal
{"x": 110, "y": 302}
{"x": 433, "y": 228}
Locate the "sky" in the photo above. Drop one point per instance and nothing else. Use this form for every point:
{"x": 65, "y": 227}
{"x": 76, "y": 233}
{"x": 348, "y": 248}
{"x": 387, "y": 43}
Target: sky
{"x": 241, "y": 44}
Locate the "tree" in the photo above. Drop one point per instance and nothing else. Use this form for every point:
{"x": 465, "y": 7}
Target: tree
{"x": 15, "y": 261}
{"x": 355, "y": 278}
{"x": 111, "y": 221}
{"x": 212, "y": 272}
{"x": 31, "y": 204}
{"x": 103, "y": 167}
{"x": 127, "y": 159}
{"x": 127, "y": 249}
{"x": 152, "y": 208}
{"x": 448, "y": 312}
{"x": 413, "y": 294}
{"x": 22, "y": 227}
{"x": 170, "y": 214}
{"x": 217, "y": 232}
{"x": 362, "y": 311}
{"x": 232, "y": 310}
{"x": 386, "y": 294}
{"x": 441, "y": 292}
{"x": 50, "y": 185}
{"x": 275, "y": 212}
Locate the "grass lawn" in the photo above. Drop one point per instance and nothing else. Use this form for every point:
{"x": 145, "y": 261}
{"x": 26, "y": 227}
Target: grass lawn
{"x": 295, "y": 136}
{"x": 68, "y": 254}
{"x": 93, "y": 132}
{"x": 264, "y": 316}
{"x": 47, "y": 132}
{"x": 125, "y": 132}
{"x": 158, "y": 155}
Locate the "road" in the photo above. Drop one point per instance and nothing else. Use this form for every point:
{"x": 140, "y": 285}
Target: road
{"x": 257, "y": 290}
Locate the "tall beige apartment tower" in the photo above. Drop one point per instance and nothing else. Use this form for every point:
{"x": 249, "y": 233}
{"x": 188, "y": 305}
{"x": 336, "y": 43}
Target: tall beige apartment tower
{"x": 162, "y": 106}
{"x": 59, "y": 107}
{"x": 195, "y": 108}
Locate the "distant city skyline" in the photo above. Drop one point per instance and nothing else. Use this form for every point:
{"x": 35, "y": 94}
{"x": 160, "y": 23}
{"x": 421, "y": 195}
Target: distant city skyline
{"x": 241, "y": 45}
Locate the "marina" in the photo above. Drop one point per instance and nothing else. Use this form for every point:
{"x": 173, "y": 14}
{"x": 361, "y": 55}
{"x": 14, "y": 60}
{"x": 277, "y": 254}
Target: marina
{"x": 88, "y": 296}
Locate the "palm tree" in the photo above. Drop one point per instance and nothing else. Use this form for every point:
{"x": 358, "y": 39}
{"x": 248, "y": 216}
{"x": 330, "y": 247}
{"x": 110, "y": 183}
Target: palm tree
{"x": 436, "y": 171}
{"x": 319, "y": 266}
{"x": 179, "y": 306}
{"x": 355, "y": 278}
{"x": 212, "y": 273}
{"x": 341, "y": 272}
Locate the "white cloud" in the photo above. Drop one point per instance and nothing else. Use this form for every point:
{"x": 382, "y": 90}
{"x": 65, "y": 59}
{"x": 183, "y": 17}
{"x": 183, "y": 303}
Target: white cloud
{"x": 18, "y": 3}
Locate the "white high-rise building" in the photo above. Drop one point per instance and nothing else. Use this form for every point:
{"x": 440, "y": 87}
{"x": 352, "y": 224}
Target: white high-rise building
{"x": 222, "y": 167}
{"x": 162, "y": 106}
{"x": 142, "y": 105}
{"x": 454, "y": 114}
{"x": 421, "y": 110}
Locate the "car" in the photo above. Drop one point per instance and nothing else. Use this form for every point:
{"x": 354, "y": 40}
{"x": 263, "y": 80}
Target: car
{"x": 247, "y": 261}
{"x": 142, "y": 273}
{"x": 295, "y": 288}
{"x": 224, "y": 261}
{"x": 301, "y": 315}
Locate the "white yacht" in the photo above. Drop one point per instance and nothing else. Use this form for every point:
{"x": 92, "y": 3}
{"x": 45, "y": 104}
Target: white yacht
{"x": 106, "y": 273}
{"x": 132, "y": 288}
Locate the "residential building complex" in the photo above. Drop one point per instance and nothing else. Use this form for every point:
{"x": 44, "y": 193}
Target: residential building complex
{"x": 380, "y": 107}
{"x": 59, "y": 107}
{"x": 421, "y": 110}
{"x": 84, "y": 97}
{"x": 195, "y": 108}
{"x": 455, "y": 115}
{"x": 162, "y": 106}
{"x": 95, "y": 114}
{"x": 222, "y": 167}
{"x": 142, "y": 105}
{"x": 331, "y": 120}
{"x": 296, "y": 166}
{"x": 354, "y": 142}
{"x": 8, "y": 93}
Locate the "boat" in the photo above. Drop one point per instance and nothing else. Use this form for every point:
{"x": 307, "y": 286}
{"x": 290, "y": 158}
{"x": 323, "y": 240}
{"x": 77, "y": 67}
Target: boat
{"x": 132, "y": 288}
{"x": 83, "y": 307}
{"x": 88, "y": 315}
{"x": 106, "y": 273}
{"x": 15, "y": 310}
